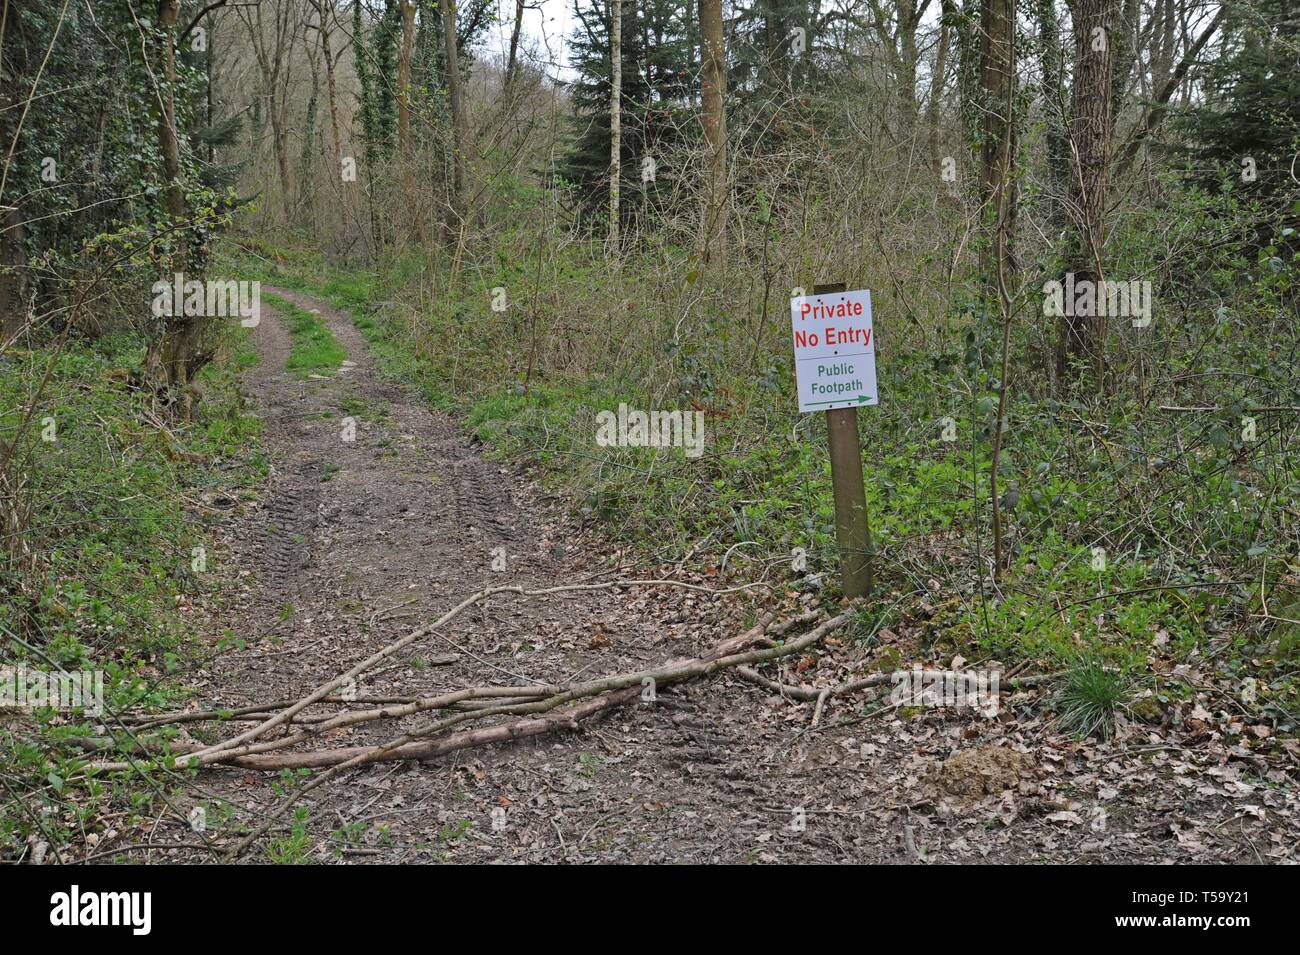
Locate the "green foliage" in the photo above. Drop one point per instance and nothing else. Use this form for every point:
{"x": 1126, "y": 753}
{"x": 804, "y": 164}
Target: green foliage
{"x": 1089, "y": 698}
{"x": 377, "y": 37}
{"x": 85, "y": 175}
{"x": 1245, "y": 135}
{"x": 292, "y": 848}
{"x": 108, "y": 564}
{"x": 374, "y": 53}
{"x": 1180, "y": 506}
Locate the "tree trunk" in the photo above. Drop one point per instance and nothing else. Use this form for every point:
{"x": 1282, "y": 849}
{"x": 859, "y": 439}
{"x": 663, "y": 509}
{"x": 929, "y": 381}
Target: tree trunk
{"x": 1083, "y": 336}
{"x": 1162, "y": 60}
{"x": 456, "y": 188}
{"x": 307, "y": 164}
{"x": 1160, "y": 102}
{"x": 330, "y": 85}
{"x": 404, "y": 83}
{"x": 714, "y": 83}
{"x": 280, "y": 140}
{"x": 1058, "y": 158}
{"x": 514, "y": 44}
{"x": 207, "y": 90}
{"x": 168, "y": 141}
{"x": 1125, "y": 53}
{"x": 326, "y": 10}
{"x": 172, "y": 359}
{"x": 692, "y": 35}
{"x": 404, "y": 146}
{"x": 615, "y": 114}
{"x": 936, "y": 83}
{"x": 275, "y": 61}
{"x": 13, "y": 259}
{"x": 997, "y": 72}
{"x": 909, "y": 20}
{"x": 774, "y": 68}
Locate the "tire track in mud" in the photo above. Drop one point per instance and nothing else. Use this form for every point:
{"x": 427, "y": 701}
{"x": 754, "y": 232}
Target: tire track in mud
{"x": 288, "y": 532}
{"x": 480, "y": 504}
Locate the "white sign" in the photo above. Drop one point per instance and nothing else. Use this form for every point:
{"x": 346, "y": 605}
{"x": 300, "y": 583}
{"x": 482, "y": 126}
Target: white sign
{"x": 834, "y": 350}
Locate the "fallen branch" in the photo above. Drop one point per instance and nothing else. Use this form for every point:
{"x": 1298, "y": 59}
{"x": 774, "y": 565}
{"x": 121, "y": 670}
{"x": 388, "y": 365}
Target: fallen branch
{"x": 813, "y": 694}
{"x": 316, "y": 725}
{"x": 261, "y": 710}
{"x": 609, "y": 691}
{"x": 504, "y": 732}
{"x": 1215, "y": 409}
{"x": 204, "y": 756}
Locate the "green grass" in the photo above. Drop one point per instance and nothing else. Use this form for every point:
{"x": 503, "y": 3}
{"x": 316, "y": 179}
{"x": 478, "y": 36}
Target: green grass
{"x": 315, "y": 350}
{"x": 1089, "y": 698}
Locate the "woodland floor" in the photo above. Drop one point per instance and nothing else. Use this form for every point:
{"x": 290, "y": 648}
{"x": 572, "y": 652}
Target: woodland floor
{"x": 350, "y": 545}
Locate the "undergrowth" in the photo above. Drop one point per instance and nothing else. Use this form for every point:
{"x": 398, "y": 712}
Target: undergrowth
{"x": 116, "y": 556}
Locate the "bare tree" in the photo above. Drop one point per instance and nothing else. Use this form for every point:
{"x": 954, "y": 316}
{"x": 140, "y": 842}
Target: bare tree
{"x": 512, "y": 60}
{"x": 714, "y": 83}
{"x": 937, "y": 78}
{"x": 1160, "y": 103}
{"x": 1089, "y": 134}
{"x": 456, "y": 188}
{"x": 272, "y": 42}
{"x": 326, "y": 13}
{"x": 615, "y": 114}
{"x": 896, "y": 24}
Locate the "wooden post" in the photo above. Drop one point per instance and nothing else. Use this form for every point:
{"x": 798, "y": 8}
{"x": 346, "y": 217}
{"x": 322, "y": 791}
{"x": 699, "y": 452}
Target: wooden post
{"x": 851, "y": 527}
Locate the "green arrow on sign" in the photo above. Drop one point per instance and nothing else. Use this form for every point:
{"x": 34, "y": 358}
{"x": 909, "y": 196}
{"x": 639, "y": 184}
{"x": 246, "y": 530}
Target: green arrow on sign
{"x": 862, "y": 399}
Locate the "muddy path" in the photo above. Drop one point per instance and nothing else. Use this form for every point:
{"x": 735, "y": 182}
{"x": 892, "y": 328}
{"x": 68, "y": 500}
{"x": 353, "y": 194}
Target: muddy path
{"x": 352, "y": 543}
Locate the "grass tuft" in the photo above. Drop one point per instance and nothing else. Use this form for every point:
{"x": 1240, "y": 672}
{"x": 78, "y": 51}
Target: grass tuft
{"x": 1090, "y": 697}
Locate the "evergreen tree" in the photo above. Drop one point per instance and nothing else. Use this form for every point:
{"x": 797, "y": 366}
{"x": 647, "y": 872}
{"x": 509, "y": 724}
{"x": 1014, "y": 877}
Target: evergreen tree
{"x": 656, "y": 104}
{"x": 1247, "y": 132}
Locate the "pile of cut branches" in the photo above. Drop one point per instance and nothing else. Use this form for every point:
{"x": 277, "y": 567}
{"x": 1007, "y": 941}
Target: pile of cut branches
{"x": 277, "y": 740}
